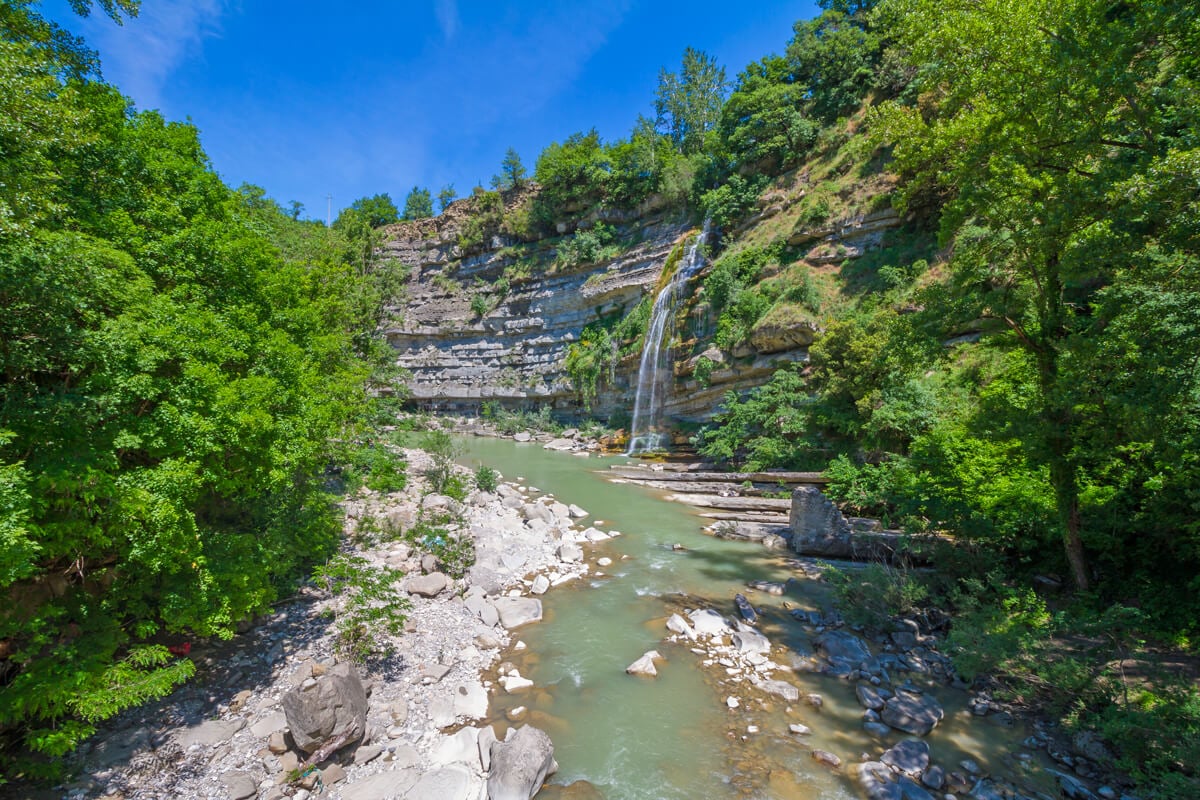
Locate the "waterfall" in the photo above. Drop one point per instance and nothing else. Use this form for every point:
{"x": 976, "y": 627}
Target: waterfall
{"x": 655, "y": 371}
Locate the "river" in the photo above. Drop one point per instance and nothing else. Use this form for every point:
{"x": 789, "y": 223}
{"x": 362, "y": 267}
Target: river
{"x": 673, "y": 736}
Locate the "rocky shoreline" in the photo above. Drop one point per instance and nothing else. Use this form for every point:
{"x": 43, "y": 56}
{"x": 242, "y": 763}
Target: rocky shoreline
{"x": 230, "y": 732}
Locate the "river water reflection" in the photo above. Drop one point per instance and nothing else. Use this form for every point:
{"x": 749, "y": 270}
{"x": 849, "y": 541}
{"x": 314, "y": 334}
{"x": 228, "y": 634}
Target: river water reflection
{"x": 673, "y": 736}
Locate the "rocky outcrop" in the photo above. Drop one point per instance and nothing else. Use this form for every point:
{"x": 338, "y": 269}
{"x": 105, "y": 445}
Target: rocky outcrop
{"x": 515, "y": 352}
{"x": 331, "y": 709}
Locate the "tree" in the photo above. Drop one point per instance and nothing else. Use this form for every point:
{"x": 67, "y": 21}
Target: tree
{"x": 512, "y": 172}
{"x": 834, "y": 56}
{"x": 446, "y": 196}
{"x": 376, "y": 211}
{"x": 295, "y": 209}
{"x": 418, "y": 204}
{"x": 1045, "y": 121}
{"x": 687, "y": 104}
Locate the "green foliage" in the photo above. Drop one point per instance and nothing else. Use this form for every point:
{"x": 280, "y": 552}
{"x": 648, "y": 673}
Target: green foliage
{"x": 441, "y": 534}
{"x": 178, "y": 359}
{"x": 376, "y": 211}
{"x": 872, "y": 595}
{"x": 510, "y": 422}
{"x": 763, "y": 124}
{"x": 764, "y": 430}
{"x": 834, "y": 56}
{"x": 480, "y": 304}
{"x": 731, "y": 202}
{"x": 512, "y": 172}
{"x": 418, "y": 204}
{"x": 602, "y": 345}
{"x": 441, "y": 474}
{"x": 446, "y": 196}
{"x": 590, "y": 246}
{"x": 703, "y": 371}
{"x": 377, "y": 467}
{"x": 688, "y": 103}
{"x": 486, "y": 478}
{"x": 487, "y": 214}
{"x": 370, "y": 604}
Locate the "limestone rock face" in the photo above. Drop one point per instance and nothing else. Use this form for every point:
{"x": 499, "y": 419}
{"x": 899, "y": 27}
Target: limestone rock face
{"x": 520, "y": 764}
{"x": 335, "y": 707}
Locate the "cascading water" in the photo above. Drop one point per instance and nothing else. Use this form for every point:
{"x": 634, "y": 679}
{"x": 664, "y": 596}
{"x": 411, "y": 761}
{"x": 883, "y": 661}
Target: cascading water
{"x": 655, "y": 370}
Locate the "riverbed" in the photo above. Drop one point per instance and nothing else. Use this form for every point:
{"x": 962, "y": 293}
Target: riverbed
{"x": 674, "y": 736}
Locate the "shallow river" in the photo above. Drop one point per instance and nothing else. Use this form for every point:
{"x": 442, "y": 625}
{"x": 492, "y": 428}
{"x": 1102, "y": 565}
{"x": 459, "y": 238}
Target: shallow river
{"x": 673, "y": 736}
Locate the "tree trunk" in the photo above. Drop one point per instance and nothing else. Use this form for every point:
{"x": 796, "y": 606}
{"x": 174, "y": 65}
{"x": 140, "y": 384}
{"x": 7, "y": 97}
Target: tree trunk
{"x": 1066, "y": 493}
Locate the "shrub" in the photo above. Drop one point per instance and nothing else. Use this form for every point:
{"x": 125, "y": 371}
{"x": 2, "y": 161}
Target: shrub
{"x": 441, "y": 536}
{"x": 871, "y": 596}
{"x": 486, "y": 478}
{"x": 372, "y": 604}
{"x": 588, "y": 247}
{"x": 480, "y": 305}
{"x": 377, "y": 467}
{"x": 443, "y": 450}
{"x": 704, "y": 370}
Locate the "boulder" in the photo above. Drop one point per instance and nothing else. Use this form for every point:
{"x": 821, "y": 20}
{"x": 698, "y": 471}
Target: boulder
{"x": 843, "y": 648}
{"x": 910, "y": 756}
{"x": 746, "y": 641}
{"x": 517, "y": 611}
{"x": 335, "y": 708}
{"x": 644, "y": 665}
{"x": 457, "y": 748}
{"x": 912, "y": 713}
{"x": 876, "y": 781}
{"x": 909, "y": 790}
{"x": 677, "y": 624}
{"x": 430, "y": 585}
{"x": 781, "y": 689}
{"x": 570, "y": 552}
{"x": 239, "y": 785}
{"x": 559, "y": 444}
{"x": 541, "y": 584}
{"x": 520, "y": 764}
{"x": 868, "y": 697}
{"x": 709, "y": 623}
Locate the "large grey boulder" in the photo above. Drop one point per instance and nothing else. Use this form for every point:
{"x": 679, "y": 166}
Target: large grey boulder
{"x": 843, "y": 648}
{"x": 917, "y": 714}
{"x": 876, "y": 781}
{"x": 430, "y": 585}
{"x": 520, "y": 764}
{"x": 910, "y": 756}
{"x": 748, "y": 641}
{"x": 335, "y": 708}
{"x": 517, "y": 611}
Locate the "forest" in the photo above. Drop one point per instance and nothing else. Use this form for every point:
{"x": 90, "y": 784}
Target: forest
{"x": 185, "y": 364}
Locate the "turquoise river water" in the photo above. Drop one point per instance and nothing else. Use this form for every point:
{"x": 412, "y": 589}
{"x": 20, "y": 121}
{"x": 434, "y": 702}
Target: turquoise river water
{"x": 672, "y": 737}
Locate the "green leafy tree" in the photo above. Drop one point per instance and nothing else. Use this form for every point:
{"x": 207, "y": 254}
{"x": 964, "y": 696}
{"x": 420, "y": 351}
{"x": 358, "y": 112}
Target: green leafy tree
{"x": 446, "y": 196}
{"x": 418, "y": 204}
{"x": 376, "y": 211}
{"x": 834, "y": 57}
{"x": 1053, "y": 125}
{"x": 688, "y": 103}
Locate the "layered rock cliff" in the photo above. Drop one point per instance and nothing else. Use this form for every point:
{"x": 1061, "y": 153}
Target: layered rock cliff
{"x": 490, "y": 316}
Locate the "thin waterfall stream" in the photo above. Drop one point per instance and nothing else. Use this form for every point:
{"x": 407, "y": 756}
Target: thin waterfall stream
{"x": 655, "y": 370}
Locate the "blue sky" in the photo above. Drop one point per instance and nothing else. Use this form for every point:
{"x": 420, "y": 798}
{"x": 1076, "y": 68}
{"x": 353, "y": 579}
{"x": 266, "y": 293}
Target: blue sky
{"x": 309, "y": 100}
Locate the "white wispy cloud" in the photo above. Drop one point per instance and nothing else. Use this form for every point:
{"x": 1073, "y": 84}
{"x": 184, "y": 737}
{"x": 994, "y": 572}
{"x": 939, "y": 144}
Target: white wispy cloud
{"x": 447, "y": 17}
{"x": 140, "y": 56}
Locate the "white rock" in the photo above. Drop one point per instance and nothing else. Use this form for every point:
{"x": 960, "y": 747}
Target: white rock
{"x": 732, "y": 702}
{"x": 540, "y": 584}
{"x": 645, "y": 664}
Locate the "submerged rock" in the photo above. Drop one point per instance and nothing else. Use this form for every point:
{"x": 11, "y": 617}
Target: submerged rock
{"x": 644, "y": 665}
{"x": 912, "y": 713}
